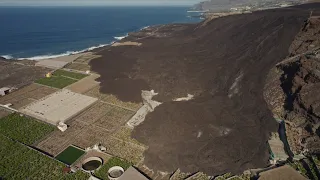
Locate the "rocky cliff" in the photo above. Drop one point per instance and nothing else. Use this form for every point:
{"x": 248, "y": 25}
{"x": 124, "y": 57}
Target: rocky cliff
{"x": 292, "y": 89}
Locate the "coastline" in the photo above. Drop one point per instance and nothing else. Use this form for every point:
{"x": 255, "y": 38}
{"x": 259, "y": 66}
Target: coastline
{"x": 221, "y": 63}
{"x": 71, "y": 54}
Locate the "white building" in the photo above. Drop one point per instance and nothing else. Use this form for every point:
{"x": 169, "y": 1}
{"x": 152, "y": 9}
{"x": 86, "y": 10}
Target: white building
{"x": 4, "y": 91}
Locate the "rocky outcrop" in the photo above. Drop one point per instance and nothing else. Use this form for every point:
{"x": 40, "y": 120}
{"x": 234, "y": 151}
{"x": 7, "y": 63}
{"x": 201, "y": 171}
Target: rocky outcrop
{"x": 292, "y": 89}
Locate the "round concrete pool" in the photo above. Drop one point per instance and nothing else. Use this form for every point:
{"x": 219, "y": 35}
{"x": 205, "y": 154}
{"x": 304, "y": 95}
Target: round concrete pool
{"x": 91, "y": 164}
{"x": 115, "y": 172}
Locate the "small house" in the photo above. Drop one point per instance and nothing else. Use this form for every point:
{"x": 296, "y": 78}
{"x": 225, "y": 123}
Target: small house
{"x": 4, "y": 91}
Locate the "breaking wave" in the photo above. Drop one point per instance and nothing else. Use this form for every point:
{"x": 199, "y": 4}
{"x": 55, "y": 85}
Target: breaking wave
{"x": 120, "y": 37}
{"x": 7, "y": 56}
{"x": 51, "y": 56}
{"x": 146, "y": 27}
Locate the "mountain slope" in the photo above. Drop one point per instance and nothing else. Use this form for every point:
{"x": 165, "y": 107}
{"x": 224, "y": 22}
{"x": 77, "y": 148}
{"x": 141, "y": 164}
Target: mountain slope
{"x": 224, "y": 63}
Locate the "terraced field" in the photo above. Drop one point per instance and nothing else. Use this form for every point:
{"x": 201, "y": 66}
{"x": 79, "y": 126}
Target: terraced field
{"x": 26, "y": 95}
{"x": 109, "y": 98}
{"x": 61, "y": 79}
{"x": 24, "y": 129}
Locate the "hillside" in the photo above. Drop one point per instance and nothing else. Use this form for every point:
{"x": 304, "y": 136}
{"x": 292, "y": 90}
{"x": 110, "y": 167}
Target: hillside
{"x": 224, "y": 63}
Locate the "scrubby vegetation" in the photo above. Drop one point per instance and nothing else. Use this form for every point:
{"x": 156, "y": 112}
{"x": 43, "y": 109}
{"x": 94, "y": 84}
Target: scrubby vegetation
{"x": 102, "y": 173}
{"x": 23, "y": 129}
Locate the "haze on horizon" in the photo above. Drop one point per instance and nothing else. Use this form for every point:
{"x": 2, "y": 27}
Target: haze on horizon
{"x": 98, "y": 2}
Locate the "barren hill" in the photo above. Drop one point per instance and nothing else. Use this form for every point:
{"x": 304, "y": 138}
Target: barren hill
{"x": 224, "y": 64}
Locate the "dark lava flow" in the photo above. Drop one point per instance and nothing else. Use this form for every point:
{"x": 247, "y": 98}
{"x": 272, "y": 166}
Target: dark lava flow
{"x": 224, "y": 63}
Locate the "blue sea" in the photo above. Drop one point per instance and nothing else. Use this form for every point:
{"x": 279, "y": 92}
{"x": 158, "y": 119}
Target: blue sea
{"x": 45, "y": 32}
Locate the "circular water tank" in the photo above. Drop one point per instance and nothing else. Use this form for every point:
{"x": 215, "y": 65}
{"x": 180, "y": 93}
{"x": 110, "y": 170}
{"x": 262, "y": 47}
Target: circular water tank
{"x": 115, "y": 172}
{"x": 91, "y": 164}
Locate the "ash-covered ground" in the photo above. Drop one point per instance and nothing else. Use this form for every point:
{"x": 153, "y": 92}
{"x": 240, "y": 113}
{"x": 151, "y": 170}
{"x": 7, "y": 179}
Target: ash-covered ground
{"x": 224, "y": 64}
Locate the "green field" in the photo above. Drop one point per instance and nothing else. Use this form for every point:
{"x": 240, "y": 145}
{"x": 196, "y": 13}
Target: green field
{"x": 56, "y": 81}
{"x": 70, "y": 155}
{"x": 102, "y": 173}
{"x": 61, "y": 79}
{"x": 24, "y": 129}
{"x": 19, "y": 162}
{"x": 73, "y": 75}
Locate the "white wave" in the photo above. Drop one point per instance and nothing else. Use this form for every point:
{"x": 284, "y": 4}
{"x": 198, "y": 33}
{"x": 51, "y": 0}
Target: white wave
{"x": 7, "y": 56}
{"x": 121, "y": 37}
{"x": 146, "y": 27}
{"x": 68, "y": 53}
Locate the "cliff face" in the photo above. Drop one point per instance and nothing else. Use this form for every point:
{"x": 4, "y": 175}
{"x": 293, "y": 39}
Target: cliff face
{"x": 292, "y": 89}
{"x": 224, "y": 63}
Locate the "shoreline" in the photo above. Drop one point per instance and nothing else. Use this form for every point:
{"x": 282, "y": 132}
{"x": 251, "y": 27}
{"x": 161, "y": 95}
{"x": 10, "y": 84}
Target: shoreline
{"x": 93, "y": 49}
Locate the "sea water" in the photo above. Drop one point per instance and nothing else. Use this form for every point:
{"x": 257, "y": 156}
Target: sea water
{"x": 46, "y": 32}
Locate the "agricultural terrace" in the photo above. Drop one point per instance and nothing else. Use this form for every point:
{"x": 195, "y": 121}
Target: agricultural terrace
{"x": 82, "y": 63}
{"x": 69, "y": 74}
{"x": 111, "y": 99}
{"x": 24, "y": 129}
{"x": 102, "y": 173}
{"x": 102, "y": 123}
{"x": 26, "y": 95}
{"x": 61, "y": 79}
{"x": 20, "y": 162}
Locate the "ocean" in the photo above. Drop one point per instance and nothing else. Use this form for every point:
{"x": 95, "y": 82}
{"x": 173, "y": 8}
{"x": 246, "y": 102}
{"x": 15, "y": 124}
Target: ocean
{"x": 45, "y": 32}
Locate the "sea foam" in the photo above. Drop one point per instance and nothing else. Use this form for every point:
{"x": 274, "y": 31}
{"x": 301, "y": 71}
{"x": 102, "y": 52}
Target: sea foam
{"x": 7, "y": 56}
{"x": 120, "y": 37}
{"x": 51, "y": 56}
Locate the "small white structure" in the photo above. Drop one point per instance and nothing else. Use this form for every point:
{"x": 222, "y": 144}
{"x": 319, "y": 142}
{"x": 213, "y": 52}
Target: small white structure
{"x": 96, "y": 147}
{"x": 4, "y": 91}
{"x": 62, "y": 126}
